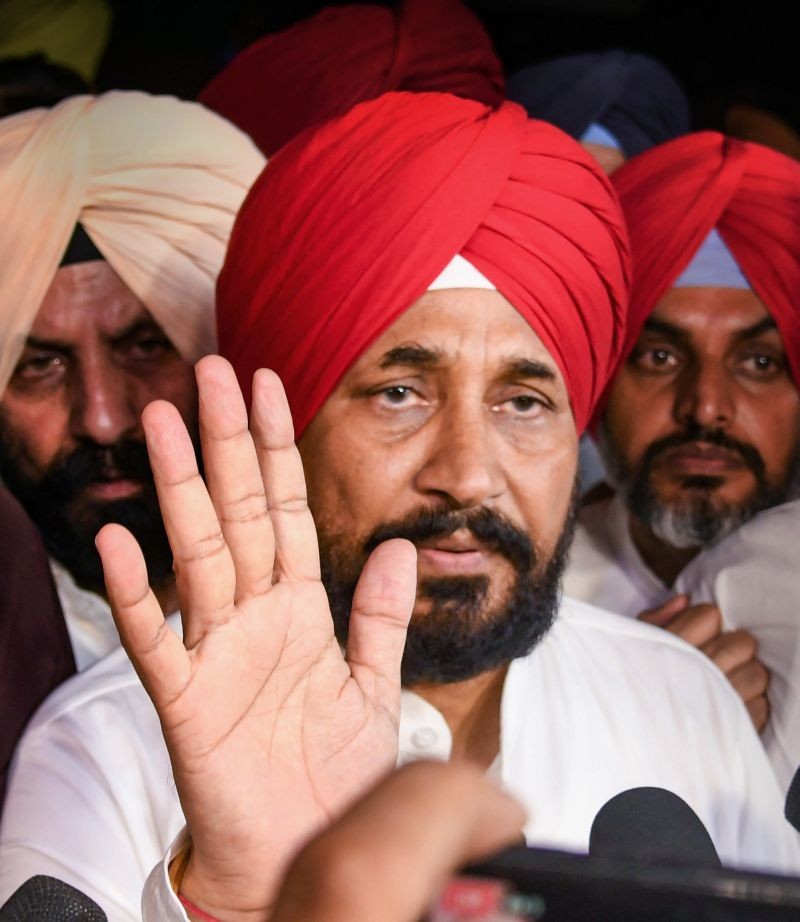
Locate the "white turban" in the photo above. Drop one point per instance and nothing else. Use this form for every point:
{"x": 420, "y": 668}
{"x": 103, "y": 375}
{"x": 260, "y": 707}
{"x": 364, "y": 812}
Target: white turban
{"x": 156, "y": 184}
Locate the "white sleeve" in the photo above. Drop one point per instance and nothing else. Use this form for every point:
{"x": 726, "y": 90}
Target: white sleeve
{"x": 760, "y": 838}
{"x": 90, "y": 802}
{"x": 159, "y": 902}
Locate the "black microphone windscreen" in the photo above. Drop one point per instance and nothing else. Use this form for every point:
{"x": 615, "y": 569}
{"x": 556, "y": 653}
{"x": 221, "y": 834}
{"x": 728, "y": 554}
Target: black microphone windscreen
{"x": 45, "y": 899}
{"x": 791, "y": 809}
{"x": 653, "y": 826}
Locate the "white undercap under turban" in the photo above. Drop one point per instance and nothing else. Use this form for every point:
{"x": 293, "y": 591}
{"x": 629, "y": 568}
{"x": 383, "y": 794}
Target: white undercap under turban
{"x": 156, "y": 184}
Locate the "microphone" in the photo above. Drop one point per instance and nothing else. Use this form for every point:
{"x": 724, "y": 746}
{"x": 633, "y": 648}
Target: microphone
{"x": 651, "y": 826}
{"x": 791, "y": 809}
{"x": 45, "y": 899}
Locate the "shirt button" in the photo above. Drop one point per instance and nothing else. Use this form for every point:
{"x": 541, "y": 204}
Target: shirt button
{"x": 424, "y": 738}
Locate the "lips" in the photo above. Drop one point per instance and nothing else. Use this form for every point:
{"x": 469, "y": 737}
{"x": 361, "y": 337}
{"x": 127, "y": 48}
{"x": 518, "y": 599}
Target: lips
{"x": 458, "y": 554}
{"x": 120, "y": 488}
{"x": 703, "y": 458}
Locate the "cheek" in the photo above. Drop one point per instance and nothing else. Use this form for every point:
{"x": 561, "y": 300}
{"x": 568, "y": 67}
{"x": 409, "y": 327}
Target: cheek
{"x": 40, "y": 428}
{"x": 635, "y": 415}
{"x": 773, "y": 427}
{"x": 543, "y": 489}
{"x": 175, "y": 383}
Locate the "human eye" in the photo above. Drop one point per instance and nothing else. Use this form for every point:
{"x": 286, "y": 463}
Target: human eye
{"x": 655, "y": 359}
{"x": 398, "y": 396}
{"x": 525, "y": 405}
{"x": 762, "y": 365}
{"x": 146, "y": 346}
{"x": 45, "y": 366}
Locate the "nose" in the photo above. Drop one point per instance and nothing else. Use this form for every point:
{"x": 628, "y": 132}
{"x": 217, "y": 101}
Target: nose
{"x": 705, "y": 397}
{"x": 462, "y": 467}
{"x": 103, "y": 407}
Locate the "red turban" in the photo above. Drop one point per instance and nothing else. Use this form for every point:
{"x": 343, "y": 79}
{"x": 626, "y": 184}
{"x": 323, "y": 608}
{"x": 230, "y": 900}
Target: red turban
{"x": 321, "y": 67}
{"x": 673, "y": 195}
{"x": 349, "y": 224}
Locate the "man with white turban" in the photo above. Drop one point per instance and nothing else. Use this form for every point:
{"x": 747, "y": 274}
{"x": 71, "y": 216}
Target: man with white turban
{"x": 115, "y": 213}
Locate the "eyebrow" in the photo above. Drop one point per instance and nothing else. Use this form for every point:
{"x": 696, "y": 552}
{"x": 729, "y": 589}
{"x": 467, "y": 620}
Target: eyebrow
{"x": 667, "y": 329}
{"x": 763, "y": 326}
{"x": 412, "y": 355}
{"x": 528, "y": 368}
{"x": 416, "y": 356}
{"x": 133, "y": 328}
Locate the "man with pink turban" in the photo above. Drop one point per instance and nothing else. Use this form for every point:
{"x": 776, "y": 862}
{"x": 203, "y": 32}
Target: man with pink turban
{"x": 441, "y": 287}
{"x": 700, "y": 426}
{"x": 114, "y": 216}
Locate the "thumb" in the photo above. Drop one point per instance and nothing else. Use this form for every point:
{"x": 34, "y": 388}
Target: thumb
{"x": 382, "y": 606}
{"x": 663, "y": 614}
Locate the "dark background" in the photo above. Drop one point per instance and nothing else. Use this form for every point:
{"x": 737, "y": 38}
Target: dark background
{"x": 722, "y": 53}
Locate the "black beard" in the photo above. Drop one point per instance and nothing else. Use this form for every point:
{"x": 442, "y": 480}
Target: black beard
{"x": 462, "y": 635}
{"x": 68, "y": 525}
{"x": 700, "y": 519}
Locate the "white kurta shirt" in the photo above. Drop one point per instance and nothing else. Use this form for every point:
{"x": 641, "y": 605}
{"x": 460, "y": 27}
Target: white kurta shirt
{"x": 91, "y": 628}
{"x": 603, "y": 704}
{"x": 754, "y": 578}
{"x": 605, "y": 568}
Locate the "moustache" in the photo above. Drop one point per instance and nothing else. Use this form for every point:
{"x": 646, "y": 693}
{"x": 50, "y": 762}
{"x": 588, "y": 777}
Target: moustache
{"x": 125, "y": 460}
{"x": 491, "y": 529}
{"x": 750, "y": 455}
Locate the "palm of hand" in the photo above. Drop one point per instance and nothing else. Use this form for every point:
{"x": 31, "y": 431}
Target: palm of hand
{"x": 271, "y": 730}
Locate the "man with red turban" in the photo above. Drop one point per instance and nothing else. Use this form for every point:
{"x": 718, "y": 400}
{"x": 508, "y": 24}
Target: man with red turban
{"x": 321, "y": 67}
{"x": 441, "y": 287}
{"x": 700, "y": 427}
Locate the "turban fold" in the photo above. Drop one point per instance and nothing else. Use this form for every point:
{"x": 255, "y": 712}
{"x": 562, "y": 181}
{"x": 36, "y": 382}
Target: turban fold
{"x": 322, "y": 67}
{"x": 672, "y": 197}
{"x": 156, "y": 184}
{"x": 631, "y": 95}
{"x": 349, "y": 225}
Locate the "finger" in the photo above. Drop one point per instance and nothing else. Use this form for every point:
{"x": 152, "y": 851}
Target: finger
{"x": 203, "y": 567}
{"x": 749, "y": 681}
{"x": 156, "y": 652}
{"x": 758, "y": 709}
{"x": 296, "y": 550}
{"x": 663, "y": 614}
{"x": 233, "y": 476}
{"x": 391, "y": 853}
{"x": 697, "y": 624}
{"x": 382, "y": 606}
{"x": 731, "y": 649}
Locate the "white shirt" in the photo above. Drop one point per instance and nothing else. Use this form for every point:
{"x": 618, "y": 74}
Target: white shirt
{"x": 754, "y": 578}
{"x": 91, "y": 627}
{"x": 601, "y": 705}
{"x": 605, "y": 568}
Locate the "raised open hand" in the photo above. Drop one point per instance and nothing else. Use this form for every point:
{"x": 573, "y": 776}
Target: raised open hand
{"x": 270, "y": 729}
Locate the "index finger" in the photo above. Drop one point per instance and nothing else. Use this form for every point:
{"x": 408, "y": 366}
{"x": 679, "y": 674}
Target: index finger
{"x": 697, "y": 624}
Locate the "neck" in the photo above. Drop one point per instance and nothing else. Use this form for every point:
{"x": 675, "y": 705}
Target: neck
{"x": 665, "y": 560}
{"x": 472, "y": 712}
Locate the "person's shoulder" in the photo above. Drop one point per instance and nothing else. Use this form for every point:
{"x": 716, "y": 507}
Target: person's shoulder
{"x": 110, "y": 682}
{"x": 607, "y": 633}
{"x": 111, "y": 676}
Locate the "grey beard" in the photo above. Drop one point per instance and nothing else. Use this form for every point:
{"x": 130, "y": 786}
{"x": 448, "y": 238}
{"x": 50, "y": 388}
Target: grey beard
{"x": 697, "y": 521}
